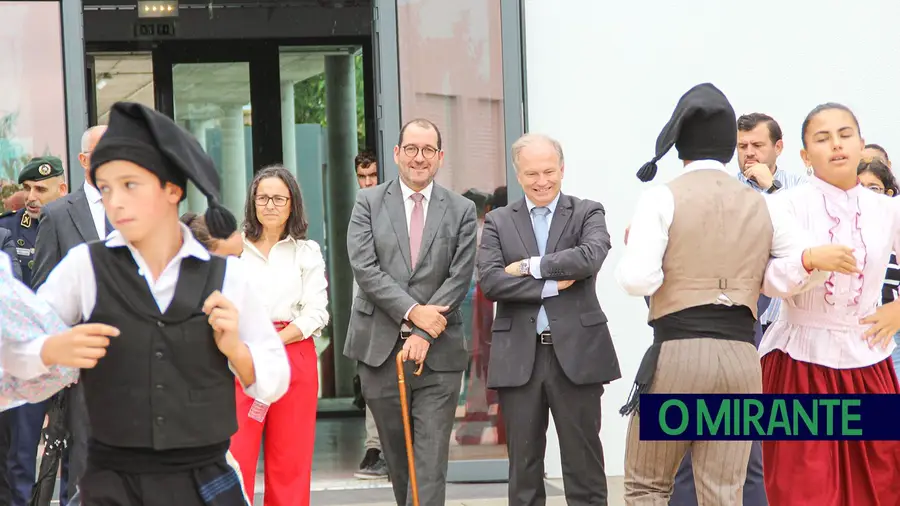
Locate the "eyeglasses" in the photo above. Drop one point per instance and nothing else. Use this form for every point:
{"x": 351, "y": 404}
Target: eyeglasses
{"x": 278, "y": 200}
{"x": 875, "y": 188}
{"x": 413, "y": 151}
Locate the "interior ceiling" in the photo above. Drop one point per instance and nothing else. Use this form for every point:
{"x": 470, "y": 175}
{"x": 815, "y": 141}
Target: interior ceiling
{"x": 200, "y": 89}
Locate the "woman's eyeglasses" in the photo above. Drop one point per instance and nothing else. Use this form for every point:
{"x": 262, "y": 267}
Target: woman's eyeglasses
{"x": 278, "y": 200}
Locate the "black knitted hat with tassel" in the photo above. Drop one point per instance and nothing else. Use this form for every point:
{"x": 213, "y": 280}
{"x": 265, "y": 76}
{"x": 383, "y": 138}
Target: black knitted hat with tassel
{"x": 703, "y": 127}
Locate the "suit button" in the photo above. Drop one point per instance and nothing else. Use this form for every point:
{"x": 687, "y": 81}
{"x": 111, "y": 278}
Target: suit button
{"x": 159, "y": 355}
{"x": 160, "y": 420}
{"x": 160, "y": 324}
{"x": 532, "y": 320}
{"x": 160, "y": 386}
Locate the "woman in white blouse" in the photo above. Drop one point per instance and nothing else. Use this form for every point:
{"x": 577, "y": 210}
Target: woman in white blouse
{"x": 290, "y": 270}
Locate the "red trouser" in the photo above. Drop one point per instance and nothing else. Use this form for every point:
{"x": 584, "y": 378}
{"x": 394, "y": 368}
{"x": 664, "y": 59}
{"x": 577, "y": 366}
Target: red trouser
{"x": 290, "y": 428}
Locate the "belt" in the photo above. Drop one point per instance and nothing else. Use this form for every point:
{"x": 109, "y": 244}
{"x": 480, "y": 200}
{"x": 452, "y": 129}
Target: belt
{"x": 545, "y": 337}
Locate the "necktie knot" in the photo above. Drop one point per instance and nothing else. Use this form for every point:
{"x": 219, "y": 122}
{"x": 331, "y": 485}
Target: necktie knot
{"x": 541, "y": 211}
{"x": 417, "y": 197}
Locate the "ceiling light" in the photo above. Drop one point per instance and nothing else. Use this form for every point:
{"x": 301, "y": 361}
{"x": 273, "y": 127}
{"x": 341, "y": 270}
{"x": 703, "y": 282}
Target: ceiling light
{"x": 157, "y": 8}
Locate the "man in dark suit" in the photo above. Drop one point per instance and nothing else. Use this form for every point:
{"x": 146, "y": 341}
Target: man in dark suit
{"x": 551, "y": 348}
{"x": 411, "y": 244}
{"x": 77, "y": 218}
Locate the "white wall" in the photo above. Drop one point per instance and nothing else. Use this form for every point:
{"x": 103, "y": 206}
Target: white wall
{"x": 603, "y": 77}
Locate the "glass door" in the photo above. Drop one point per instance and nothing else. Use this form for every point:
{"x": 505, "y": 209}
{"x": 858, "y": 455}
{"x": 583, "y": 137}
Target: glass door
{"x": 219, "y": 92}
{"x": 212, "y": 101}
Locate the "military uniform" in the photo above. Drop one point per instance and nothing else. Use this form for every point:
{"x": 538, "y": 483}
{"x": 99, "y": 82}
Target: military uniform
{"x": 24, "y": 233}
{"x": 24, "y": 228}
{"x": 26, "y": 421}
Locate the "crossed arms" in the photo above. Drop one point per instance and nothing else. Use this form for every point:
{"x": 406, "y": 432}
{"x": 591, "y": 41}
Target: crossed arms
{"x": 571, "y": 264}
{"x": 384, "y": 291}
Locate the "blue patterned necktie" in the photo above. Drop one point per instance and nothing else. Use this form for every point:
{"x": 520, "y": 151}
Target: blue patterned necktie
{"x": 541, "y": 232}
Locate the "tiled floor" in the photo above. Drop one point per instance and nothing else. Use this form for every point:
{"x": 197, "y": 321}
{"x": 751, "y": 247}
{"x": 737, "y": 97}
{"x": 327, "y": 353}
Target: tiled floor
{"x": 339, "y": 449}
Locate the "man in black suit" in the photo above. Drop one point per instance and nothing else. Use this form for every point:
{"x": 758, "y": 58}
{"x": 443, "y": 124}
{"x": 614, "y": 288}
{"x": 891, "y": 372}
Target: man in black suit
{"x": 77, "y": 218}
{"x": 551, "y": 348}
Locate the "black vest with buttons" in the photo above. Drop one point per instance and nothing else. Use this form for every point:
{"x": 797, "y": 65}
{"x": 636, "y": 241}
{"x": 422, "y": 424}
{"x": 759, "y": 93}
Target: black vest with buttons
{"x": 163, "y": 383}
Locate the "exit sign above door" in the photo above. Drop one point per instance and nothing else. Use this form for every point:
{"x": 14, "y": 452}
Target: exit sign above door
{"x": 154, "y": 28}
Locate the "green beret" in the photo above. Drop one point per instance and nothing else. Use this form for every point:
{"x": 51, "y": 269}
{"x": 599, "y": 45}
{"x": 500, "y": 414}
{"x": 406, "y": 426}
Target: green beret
{"x": 40, "y": 168}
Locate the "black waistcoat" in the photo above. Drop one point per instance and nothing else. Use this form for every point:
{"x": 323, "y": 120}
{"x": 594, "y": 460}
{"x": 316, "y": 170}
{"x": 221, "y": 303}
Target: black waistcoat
{"x": 163, "y": 383}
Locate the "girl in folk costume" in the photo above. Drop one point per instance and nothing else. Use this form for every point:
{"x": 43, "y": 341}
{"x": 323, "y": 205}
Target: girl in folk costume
{"x": 834, "y": 338}
{"x": 160, "y": 399}
{"x": 280, "y": 257}
{"x": 698, "y": 247}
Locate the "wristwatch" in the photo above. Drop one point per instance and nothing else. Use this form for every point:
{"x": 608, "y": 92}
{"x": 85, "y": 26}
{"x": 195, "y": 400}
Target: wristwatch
{"x": 776, "y": 185}
{"x": 525, "y": 267}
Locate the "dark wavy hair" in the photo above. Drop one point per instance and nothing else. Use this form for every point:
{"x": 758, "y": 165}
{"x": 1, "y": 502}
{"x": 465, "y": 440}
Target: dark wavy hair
{"x": 296, "y": 225}
{"x": 881, "y": 171}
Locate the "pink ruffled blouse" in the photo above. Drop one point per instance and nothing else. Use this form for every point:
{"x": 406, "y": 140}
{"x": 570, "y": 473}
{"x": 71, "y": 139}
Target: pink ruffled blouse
{"x": 820, "y": 324}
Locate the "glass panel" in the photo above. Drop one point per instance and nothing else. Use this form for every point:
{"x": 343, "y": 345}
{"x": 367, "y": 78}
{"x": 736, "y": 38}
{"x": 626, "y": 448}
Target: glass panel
{"x": 305, "y": 122}
{"x": 212, "y": 101}
{"x": 32, "y": 104}
{"x": 121, "y": 77}
{"x": 451, "y": 73}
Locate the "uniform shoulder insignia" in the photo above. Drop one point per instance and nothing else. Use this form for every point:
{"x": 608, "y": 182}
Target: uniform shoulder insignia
{"x": 7, "y": 214}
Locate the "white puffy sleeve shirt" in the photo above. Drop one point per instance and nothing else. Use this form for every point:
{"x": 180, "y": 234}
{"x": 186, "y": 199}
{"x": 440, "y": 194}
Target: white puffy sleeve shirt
{"x": 291, "y": 283}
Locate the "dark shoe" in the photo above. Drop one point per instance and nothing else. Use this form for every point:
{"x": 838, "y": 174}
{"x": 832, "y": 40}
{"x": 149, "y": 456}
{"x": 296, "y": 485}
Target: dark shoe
{"x": 372, "y": 467}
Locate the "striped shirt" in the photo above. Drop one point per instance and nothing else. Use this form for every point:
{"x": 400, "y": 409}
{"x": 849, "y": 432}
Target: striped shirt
{"x": 891, "y": 281}
{"x": 788, "y": 180}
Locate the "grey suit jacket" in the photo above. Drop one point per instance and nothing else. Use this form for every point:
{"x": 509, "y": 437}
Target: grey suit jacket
{"x": 576, "y": 248}
{"x": 65, "y": 223}
{"x": 378, "y": 246}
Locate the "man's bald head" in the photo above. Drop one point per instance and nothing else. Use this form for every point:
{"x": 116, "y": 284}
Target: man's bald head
{"x": 89, "y": 140}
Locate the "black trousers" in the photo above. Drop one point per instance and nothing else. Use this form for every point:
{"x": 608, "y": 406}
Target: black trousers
{"x": 576, "y": 414}
{"x": 104, "y": 487}
{"x": 5, "y": 443}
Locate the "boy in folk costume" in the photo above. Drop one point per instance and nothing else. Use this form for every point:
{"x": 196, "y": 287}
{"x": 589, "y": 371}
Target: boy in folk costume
{"x": 161, "y": 398}
{"x": 699, "y": 247}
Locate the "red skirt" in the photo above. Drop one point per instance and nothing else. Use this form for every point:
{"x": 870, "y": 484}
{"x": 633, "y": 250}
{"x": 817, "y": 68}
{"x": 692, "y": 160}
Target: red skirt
{"x": 830, "y": 473}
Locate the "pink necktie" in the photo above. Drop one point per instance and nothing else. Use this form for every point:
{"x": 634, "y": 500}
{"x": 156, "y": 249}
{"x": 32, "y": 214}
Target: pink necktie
{"x": 416, "y": 226}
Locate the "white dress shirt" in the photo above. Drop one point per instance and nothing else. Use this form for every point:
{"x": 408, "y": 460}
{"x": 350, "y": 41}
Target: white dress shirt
{"x": 98, "y": 213}
{"x": 292, "y": 283}
{"x": 408, "y": 204}
{"x": 640, "y": 271}
{"x": 71, "y": 289}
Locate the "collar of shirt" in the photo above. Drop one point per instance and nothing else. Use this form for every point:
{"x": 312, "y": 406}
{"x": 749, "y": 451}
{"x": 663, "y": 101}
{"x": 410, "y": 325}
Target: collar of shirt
{"x": 249, "y": 246}
{"x": 407, "y": 192}
{"x": 191, "y": 247}
{"x": 705, "y": 165}
{"x": 551, "y": 206}
{"x": 92, "y": 194}
{"x": 833, "y": 191}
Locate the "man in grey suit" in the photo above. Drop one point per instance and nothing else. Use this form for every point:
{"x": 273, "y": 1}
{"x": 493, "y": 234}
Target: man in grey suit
{"x": 551, "y": 349}
{"x": 65, "y": 223}
{"x": 411, "y": 244}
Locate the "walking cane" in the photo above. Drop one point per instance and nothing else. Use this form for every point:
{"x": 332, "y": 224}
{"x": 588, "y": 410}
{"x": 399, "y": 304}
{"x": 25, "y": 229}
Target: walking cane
{"x": 407, "y": 431}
